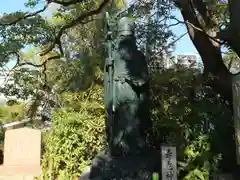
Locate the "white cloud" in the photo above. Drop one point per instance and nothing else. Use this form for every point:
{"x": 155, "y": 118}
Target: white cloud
{"x": 52, "y": 7}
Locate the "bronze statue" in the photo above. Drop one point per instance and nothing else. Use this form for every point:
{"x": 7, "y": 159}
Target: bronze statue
{"x": 126, "y": 79}
{"x": 129, "y": 102}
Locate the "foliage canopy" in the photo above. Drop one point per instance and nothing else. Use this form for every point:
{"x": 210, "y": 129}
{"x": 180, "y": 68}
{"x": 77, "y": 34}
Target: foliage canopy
{"x": 66, "y": 52}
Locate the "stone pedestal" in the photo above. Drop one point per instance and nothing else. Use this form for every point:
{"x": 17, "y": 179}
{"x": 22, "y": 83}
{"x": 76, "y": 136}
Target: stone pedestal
{"x": 19, "y": 172}
{"x": 222, "y": 176}
{"x": 125, "y": 167}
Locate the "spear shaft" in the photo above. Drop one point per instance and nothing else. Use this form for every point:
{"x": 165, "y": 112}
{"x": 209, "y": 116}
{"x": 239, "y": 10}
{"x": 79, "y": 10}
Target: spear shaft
{"x": 110, "y": 72}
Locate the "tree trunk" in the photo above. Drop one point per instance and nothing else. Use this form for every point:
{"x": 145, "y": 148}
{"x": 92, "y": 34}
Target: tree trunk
{"x": 220, "y": 78}
{"x": 234, "y": 25}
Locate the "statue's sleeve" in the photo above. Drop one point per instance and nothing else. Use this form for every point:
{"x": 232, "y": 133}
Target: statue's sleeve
{"x": 143, "y": 77}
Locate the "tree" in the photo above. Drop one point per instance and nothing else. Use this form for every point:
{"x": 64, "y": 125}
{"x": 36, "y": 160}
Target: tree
{"x": 205, "y": 21}
{"x": 199, "y": 23}
{"x": 231, "y": 60}
{"x": 60, "y": 72}
{"x": 211, "y": 25}
{"x": 69, "y": 56}
{"x": 195, "y": 123}
{"x": 77, "y": 135}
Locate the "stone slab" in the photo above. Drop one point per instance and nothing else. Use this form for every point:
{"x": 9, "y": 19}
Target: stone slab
{"x": 22, "y": 147}
{"x": 16, "y": 177}
{"x": 19, "y": 170}
{"x": 22, "y": 154}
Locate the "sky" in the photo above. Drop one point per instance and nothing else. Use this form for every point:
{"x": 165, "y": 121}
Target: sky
{"x": 183, "y": 46}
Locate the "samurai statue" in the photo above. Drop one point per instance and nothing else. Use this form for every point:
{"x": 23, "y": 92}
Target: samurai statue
{"x": 130, "y": 124}
{"x": 126, "y": 85}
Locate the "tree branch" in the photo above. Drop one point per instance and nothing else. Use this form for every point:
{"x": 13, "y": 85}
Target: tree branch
{"x": 209, "y": 51}
{"x": 68, "y": 3}
{"x": 57, "y": 39}
{"x": 43, "y": 64}
{"x": 25, "y": 17}
{"x": 174, "y": 41}
{"x": 18, "y": 63}
{"x": 197, "y": 28}
{"x": 203, "y": 11}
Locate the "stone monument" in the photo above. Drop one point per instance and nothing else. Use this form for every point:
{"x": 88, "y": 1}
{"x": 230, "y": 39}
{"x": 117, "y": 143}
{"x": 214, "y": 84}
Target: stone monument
{"x": 126, "y": 84}
{"x": 22, "y": 154}
{"x": 169, "y": 162}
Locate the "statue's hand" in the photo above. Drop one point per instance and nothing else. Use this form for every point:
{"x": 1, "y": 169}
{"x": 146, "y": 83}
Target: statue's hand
{"x": 109, "y": 62}
{"x": 138, "y": 82}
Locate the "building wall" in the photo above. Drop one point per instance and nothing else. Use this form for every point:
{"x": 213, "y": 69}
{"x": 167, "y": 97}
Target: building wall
{"x": 166, "y": 62}
{"x": 189, "y": 61}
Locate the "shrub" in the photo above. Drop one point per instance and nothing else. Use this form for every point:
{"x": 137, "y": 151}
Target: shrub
{"x": 77, "y": 135}
{"x": 193, "y": 120}
{"x": 15, "y": 112}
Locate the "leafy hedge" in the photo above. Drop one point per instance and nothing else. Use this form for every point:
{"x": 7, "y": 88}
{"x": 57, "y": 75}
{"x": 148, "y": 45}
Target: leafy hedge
{"x": 193, "y": 120}
{"x": 10, "y": 113}
{"x": 77, "y": 135}
{"x": 15, "y": 112}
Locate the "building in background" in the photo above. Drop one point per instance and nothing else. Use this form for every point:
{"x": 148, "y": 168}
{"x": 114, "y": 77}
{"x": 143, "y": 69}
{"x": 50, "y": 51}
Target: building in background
{"x": 189, "y": 61}
{"x": 161, "y": 62}
{"x": 166, "y": 62}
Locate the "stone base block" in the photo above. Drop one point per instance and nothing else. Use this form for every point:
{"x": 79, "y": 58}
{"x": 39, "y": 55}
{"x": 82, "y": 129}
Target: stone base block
{"x": 125, "y": 167}
{"x": 16, "y": 177}
{"x": 19, "y": 173}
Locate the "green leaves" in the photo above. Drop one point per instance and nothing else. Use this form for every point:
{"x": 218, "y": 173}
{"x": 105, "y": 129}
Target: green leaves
{"x": 78, "y": 128}
{"x": 12, "y": 113}
{"x": 188, "y": 119}
{"x": 120, "y": 4}
{"x": 193, "y": 120}
{"x": 32, "y": 3}
{"x": 77, "y": 135}
{"x": 197, "y": 174}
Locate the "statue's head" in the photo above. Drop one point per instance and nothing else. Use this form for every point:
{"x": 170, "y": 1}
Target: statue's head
{"x": 126, "y": 33}
{"x": 126, "y": 27}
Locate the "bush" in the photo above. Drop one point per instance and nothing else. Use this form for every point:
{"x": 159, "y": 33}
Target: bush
{"x": 77, "y": 135}
{"x": 194, "y": 120}
{"x": 15, "y": 112}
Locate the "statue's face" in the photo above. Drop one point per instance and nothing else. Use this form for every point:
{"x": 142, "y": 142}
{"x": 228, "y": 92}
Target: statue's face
{"x": 126, "y": 39}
